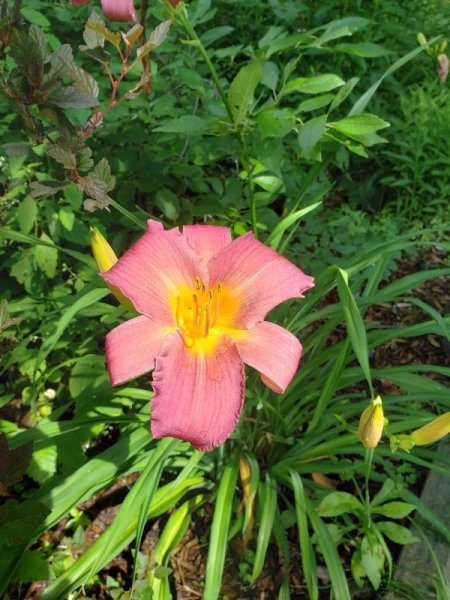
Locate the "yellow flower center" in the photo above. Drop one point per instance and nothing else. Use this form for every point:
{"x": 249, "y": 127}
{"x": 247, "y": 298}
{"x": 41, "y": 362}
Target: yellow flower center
{"x": 197, "y": 312}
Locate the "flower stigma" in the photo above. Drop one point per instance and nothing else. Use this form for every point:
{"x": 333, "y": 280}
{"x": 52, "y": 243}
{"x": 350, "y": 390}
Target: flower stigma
{"x": 197, "y": 312}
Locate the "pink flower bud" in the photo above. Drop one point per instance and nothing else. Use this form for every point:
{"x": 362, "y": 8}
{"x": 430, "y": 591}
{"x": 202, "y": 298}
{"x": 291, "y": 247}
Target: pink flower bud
{"x": 119, "y": 10}
{"x": 443, "y": 65}
{"x": 116, "y": 10}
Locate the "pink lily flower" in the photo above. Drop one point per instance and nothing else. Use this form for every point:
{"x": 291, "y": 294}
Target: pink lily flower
{"x": 115, "y": 10}
{"x": 203, "y": 299}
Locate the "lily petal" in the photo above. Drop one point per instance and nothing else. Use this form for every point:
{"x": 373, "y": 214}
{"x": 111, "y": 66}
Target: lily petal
{"x": 152, "y": 272}
{"x": 132, "y": 347}
{"x": 198, "y": 396}
{"x": 254, "y": 280}
{"x": 273, "y": 351}
{"x": 154, "y": 226}
{"x": 207, "y": 240}
{"x": 119, "y": 10}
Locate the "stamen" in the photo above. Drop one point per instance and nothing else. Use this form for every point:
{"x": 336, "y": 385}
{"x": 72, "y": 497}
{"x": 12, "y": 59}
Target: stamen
{"x": 195, "y": 319}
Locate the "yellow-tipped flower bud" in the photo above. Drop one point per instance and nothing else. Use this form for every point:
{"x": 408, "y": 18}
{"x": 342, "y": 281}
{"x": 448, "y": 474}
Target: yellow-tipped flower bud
{"x": 432, "y": 431}
{"x": 371, "y": 424}
{"x": 429, "y": 433}
{"x": 421, "y": 39}
{"x": 105, "y": 257}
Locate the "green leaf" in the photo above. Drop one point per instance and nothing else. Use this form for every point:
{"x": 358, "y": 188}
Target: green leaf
{"x": 72, "y": 97}
{"x": 35, "y": 17}
{"x": 314, "y": 85}
{"x": 14, "y": 149}
{"x": 339, "y": 503}
{"x": 168, "y": 202}
{"x": 364, "y": 49}
{"x": 363, "y": 101}
{"x": 315, "y": 103}
{"x": 62, "y": 155}
{"x": 219, "y": 530}
{"x": 269, "y": 183}
{"x": 372, "y": 559}
{"x": 342, "y": 28}
{"x": 309, "y": 563}
{"x": 102, "y": 171}
{"x": 40, "y": 39}
{"x": 84, "y": 160}
{"x": 92, "y": 38}
{"x": 56, "y": 60}
{"x": 275, "y": 122}
{"x": 66, "y": 218}
{"x": 269, "y": 505}
{"x": 26, "y": 214}
{"x": 188, "y": 124}
{"x": 134, "y": 33}
{"x": 271, "y": 73}
{"x": 362, "y": 124}
{"x": 355, "y": 325}
{"x": 102, "y": 32}
{"x": 46, "y": 188}
{"x": 327, "y": 547}
{"x": 80, "y": 301}
{"x": 83, "y": 81}
{"x": 157, "y": 37}
{"x": 47, "y": 257}
{"x": 87, "y": 374}
{"x": 33, "y": 567}
{"x": 242, "y": 90}
{"x": 17, "y": 521}
{"x": 27, "y": 53}
{"x": 397, "y": 533}
{"x": 160, "y": 572}
{"x": 394, "y": 510}
{"x": 160, "y": 33}
{"x": 43, "y": 464}
{"x": 276, "y": 234}
{"x": 343, "y": 93}
{"x": 311, "y": 133}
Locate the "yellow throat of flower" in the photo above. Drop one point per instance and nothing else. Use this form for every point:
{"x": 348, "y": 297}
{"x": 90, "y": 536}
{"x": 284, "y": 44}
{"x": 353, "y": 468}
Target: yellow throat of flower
{"x": 197, "y": 312}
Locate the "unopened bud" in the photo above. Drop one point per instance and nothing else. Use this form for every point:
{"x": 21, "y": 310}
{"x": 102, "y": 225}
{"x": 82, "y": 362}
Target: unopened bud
{"x": 50, "y": 394}
{"x": 421, "y": 39}
{"x": 429, "y": 433}
{"x": 432, "y": 431}
{"x": 105, "y": 257}
{"x": 443, "y": 66}
{"x": 371, "y": 424}
{"x": 45, "y": 410}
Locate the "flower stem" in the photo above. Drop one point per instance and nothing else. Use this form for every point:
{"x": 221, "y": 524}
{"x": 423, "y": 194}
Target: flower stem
{"x": 368, "y": 457}
{"x": 127, "y": 214}
{"x": 181, "y": 14}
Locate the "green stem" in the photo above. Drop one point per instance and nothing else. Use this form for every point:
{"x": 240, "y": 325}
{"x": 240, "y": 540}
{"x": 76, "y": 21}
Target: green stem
{"x": 368, "y": 457}
{"x": 181, "y": 14}
{"x": 128, "y": 214}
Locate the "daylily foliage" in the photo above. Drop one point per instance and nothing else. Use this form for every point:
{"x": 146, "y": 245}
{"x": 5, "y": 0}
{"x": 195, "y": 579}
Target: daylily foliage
{"x": 202, "y": 300}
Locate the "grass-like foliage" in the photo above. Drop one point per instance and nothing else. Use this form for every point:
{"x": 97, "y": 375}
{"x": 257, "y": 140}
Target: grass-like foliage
{"x": 263, "y": 117}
